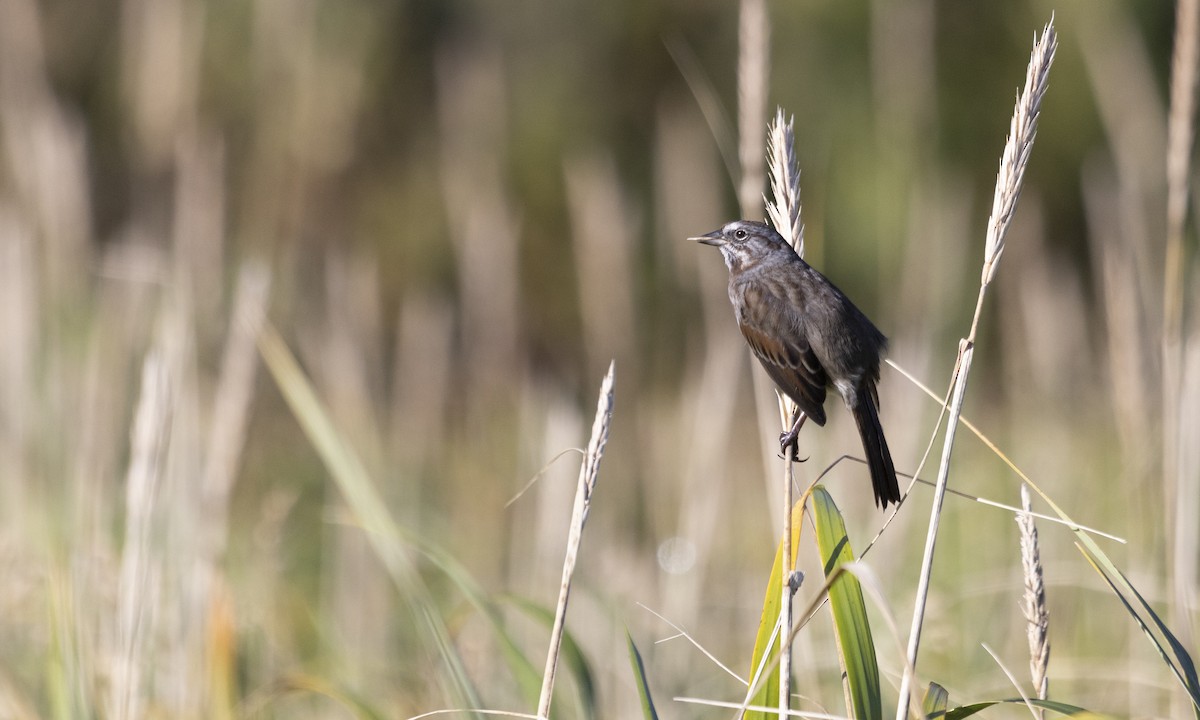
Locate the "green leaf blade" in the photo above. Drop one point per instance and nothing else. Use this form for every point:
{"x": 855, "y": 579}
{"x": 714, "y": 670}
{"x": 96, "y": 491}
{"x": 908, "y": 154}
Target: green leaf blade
{"x": 856, "y": 646}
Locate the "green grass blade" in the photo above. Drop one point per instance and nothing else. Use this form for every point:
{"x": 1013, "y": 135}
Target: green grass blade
{"x": 364, "y": 501}
{"x": 856, "y": 646}
{"x": 935, "y": 702}
{"x": 639, "y": 674}
{"x": 967, "y": 711}
{"x": 766, "y": 644}
{"x": 1186, "y": 667}
{"x": 1181, "y": 667}
{"x": 527, "y": 677}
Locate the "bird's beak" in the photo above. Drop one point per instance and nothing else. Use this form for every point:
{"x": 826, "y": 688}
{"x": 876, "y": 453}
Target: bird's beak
{"x": 713, "y": 238}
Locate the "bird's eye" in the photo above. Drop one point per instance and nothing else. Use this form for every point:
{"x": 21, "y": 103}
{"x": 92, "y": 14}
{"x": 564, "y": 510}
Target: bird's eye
{"x": 740, "y": 234}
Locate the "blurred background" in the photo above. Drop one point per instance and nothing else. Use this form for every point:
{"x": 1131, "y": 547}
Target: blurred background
{"x": 456, "y": 214}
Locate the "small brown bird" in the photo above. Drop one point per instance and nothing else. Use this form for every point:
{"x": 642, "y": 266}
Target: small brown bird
{"x": 808, "y": 336}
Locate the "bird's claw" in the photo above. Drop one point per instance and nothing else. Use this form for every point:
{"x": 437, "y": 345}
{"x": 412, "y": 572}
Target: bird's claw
{"x": 790, "y": 439}
{"x": 787, "y": 438}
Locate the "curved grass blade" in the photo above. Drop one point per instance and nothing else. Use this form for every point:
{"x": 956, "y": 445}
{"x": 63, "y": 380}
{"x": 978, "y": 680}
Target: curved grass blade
{"x": 528, "y": 679}
{"x": 364, "y": 500}
{"x": 856, "y": 646}
{"x": 1181, "y": 666}
{"x": 967, "y": 711}
{"x": 639, "y": 674}
{"x": 935, "y": 702}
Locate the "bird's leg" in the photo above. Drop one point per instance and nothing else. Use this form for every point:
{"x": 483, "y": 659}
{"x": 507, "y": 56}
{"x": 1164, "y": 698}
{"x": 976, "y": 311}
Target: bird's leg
{"x": 791, "y": 436}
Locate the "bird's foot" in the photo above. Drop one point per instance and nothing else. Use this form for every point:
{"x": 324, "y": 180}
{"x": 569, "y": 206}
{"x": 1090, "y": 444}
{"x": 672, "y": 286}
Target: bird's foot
{"x": 790, "y": 439}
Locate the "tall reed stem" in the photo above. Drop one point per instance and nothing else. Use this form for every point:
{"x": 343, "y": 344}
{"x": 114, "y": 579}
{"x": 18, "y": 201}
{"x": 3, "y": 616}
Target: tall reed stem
{"x": 1009, "y": 180}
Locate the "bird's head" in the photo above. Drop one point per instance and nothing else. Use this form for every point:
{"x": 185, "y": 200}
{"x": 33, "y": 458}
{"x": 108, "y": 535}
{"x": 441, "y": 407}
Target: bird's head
{"x": 744, "y": 243}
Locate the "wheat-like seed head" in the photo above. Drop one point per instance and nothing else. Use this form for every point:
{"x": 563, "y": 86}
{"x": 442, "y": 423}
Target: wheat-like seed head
{"x": 1017, "y": 148}
{"x": 1034, "y": 602}
{"x": 600, "y": 429}
{"x": 783, "y": 207}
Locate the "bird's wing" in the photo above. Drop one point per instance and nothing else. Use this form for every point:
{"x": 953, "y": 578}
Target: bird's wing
{"x": 783, "y": 350}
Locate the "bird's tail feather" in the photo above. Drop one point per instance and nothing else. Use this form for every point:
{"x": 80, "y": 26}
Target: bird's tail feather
{"x": 879, "y": 458}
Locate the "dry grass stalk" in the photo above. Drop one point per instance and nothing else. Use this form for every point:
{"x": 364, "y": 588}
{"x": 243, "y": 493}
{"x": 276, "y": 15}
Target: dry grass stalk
{"x": 46, "y": 157}
{"x": 231, "y": 406}
{"x": 19, "y": 328}
{"x": 206, "y": 592}
{"x": 753, "y": 43}
{"x": 1175, "y": 443}
{"x": 1013, "y": 160}
{"x": 1034, "y": 602}
{"x": 588, "y": 473}
{"x": 137, "y": 595}
{"x": 1017, "y": 148}
{"x": 962, "y": 371}
{"x": 1180, "y": 137}
{"x": 1187, "y": 534}
{"x": 784, "y": 210}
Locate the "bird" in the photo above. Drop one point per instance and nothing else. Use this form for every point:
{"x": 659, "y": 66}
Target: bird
{"x": 808, "y": 336}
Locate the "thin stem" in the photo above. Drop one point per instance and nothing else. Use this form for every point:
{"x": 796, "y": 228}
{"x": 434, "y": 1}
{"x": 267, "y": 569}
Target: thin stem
{"x": 1009, "y": 180}
{"x": 1180, "y": 138}
{"x": 784, "y": 212}
{"x": 966, "y": 351}
{"x": 785, "y": 601}
{"x": 753, "y": 42}
{"x": 588, "y": 472}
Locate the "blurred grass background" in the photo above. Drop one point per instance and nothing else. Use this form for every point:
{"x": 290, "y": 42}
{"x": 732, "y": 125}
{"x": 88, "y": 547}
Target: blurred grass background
{"x": 457, "y": 213}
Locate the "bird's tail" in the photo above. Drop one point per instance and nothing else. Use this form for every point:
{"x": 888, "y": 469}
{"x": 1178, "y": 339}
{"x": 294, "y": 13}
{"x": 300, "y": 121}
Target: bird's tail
{"x": 879, "y": 458}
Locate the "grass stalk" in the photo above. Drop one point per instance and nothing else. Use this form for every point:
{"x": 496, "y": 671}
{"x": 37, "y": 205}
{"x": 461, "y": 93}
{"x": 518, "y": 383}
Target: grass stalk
{"x": 1180, "y": 138}
{"x": 784, "y": 211}
{"x": 961, "y": 372}
{"x": 787, "y": 558}
{"x": 1009, "y": 180}
{"x": 588, "y": 472}
{"x": 139, "y": 577}
{"x": 231, "y": 407}
{"x": 753, "y": 43}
